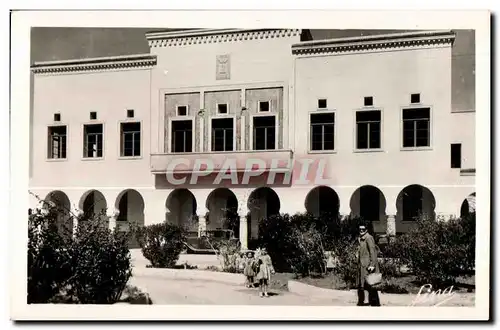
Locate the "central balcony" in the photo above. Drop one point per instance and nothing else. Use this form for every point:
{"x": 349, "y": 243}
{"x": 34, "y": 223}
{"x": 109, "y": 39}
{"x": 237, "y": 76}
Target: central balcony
{"x": 202, "y": 162}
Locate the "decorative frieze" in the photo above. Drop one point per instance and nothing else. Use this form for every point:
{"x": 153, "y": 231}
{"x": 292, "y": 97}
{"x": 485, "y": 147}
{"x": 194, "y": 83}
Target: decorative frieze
{"x": 95, "y": 64}
{"x": 207, "y": 36}
{"x": 375, "y": 42}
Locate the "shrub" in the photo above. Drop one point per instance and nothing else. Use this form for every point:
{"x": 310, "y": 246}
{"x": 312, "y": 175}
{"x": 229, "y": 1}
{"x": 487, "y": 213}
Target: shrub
{"x": 347, "y": 265}
{"x": 229, "y": 252}
{"x": 135, "y": 296}
{"x": 49, "y": 261}
{"x": 390, "y": 267}
{"x": 309, "y": 254}
{"x": 438, "y": 251}
{"x": 274, "y": 235}
{"x": 298, "y": 243}
{"x": 102, "y": 263}
{"x": 161, "y": 244}
{"x": 91, "y": 268}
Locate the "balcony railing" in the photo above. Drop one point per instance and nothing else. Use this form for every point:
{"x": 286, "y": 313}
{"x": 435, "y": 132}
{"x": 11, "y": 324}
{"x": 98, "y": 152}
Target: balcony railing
{"x": 242, "y": 160}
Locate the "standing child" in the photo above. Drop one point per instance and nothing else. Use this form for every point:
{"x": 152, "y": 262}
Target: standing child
{"x": 249, "y": 270}
{"x": 265, "y": 270}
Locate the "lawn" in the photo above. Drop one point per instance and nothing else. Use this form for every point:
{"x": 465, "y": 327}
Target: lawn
{"x": 402, "y": 285}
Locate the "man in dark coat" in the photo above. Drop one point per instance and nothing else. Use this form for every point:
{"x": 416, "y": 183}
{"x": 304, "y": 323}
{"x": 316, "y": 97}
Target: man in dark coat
{"x": 367, "y": 263}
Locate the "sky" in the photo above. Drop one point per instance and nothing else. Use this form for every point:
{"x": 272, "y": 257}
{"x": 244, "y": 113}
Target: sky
{"x": 51, "y": 44}
{"x": 61, "y": 43}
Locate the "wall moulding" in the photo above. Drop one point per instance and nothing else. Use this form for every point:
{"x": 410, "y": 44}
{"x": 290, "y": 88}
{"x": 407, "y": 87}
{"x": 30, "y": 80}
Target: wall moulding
{"x": 206, "y": 36}
{"x": 375, "y": 42}
{"x": 96, "y": 64}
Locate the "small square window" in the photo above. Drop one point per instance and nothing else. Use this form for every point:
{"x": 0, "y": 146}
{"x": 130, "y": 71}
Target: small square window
{"x": 182, "y": 110}
{"x": 368, "y": 101}
{"x": 322, "y": 104}
{"x": 93, "y": 115}
{"x": 415, "y": 98}
{"x": 57, "y": 117}
{"x": 264, "y": 106}
{"x": 222, "y": 108}
{"x": 130, "y": 113}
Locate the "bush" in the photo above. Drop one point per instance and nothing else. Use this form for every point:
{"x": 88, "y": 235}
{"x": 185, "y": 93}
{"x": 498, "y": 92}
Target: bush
{"x": 347, "y": 265}
{"x": 49, "y": 261}
{"x": 229, "y": 252}
{"x": 161, "y": 244}
{"x": 298, "y": 243}
{"x": 309, "y": 253}
{"x": 390, "y": 267}
{"x": 438, "y": 251}
{"x": 102, "y": 263}
{"x": 91, "y": 268}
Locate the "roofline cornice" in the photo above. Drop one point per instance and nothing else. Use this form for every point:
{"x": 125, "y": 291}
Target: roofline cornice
{"x": 204, "y": 36}
{"x": 95, "y": 64}
{"x": 373, "y": 42}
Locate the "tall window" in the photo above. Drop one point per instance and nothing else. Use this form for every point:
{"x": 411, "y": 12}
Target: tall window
{"x": 57, "y": 142}
{"x": 322, "y": 131}
{"x": 456, "y": 155}
{"x": 416, "y": 127}
{"x": 264, "y": 133}
{"x": 93, "y": 141}
{"x": 182, "y": 136}
{"x": 130, "y": 139}
{"x": 368, "y": 129}
{"x": 222, "y": 134}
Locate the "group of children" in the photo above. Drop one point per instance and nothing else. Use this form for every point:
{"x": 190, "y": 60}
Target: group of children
{"x": 258, "y": 266}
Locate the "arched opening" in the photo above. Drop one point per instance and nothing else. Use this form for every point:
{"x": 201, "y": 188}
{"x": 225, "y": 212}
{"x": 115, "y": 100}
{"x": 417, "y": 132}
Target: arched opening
{"x": 468, "y": 205}
{"x": 181, "y": 210}
{"x": 322, "y": 201}
{"x": 414, "y": 201}
{"x": 93, "y": 204}
{"x": 222, "y": 206}
{"x": 130, "y": 205}
{"x": 262, "y": 204}
{"x": 368, "y": 203}
{"x": 61, "y": 204}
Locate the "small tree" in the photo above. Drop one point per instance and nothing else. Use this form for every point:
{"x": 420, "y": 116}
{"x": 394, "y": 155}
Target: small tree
{"x": 101, "y": 262}
{"x": 91, "y": 267}
{"x": 438, "y": 251}
{"x": 161, "y": 243}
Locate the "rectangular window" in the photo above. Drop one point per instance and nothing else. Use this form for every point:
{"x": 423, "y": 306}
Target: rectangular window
{"x": 322, "y": 104}
{"x": 456, "y": 155}
{"x": 322, "y": 131}
{"x": 57, "y": 142}
{"x": 57, "y": 117}
{"x": 182, "y": 136}
{"x": 130, "y": 139}
{"x": 264, "y": 106}
{"x": 130, "y": 113}
{"x": 93, "y": 115}
{"x": 223, "y": 134}
{"x": 415, "y": 98}
{"x": 368, "y": 102}
{"x": 368, "y": 132}
{"x": 222, "y": 109}
{"x": 264, "y": 133}
{"x": 416, "y": 127}
{"x": 93, "y": 141}
{"x": 182, "y": 110}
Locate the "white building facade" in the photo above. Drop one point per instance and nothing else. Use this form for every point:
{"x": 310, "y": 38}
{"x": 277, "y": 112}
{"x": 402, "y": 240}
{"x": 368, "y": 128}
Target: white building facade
{"x": 375, "y": 112}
